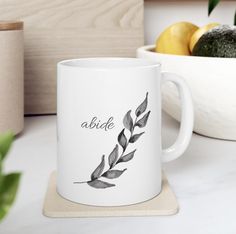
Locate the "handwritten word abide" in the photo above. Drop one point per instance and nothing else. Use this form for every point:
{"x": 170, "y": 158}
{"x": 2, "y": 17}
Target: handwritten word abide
{"x": 95, "y": 123}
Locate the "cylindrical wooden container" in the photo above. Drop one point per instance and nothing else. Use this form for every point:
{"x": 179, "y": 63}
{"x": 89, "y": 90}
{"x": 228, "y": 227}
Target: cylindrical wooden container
{"x": 11, "y": 77}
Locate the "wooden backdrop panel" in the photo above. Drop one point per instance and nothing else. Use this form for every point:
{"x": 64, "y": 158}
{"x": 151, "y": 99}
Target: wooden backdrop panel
{"x": 64, "y": 29}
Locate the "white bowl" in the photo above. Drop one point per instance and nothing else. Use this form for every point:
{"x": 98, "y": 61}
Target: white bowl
{"x": 213, "y": 85}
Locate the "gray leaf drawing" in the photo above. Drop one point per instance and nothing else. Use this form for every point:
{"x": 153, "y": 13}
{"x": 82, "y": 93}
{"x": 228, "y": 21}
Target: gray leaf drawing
{"x": 99, "y": 184}
{"x": 126, "y": 157}
{"x": 142, "y": 107}
{"x": 98, "y": 171}
{"x": 142, "y": 122}
{"x": 116, "y": 157}
{"x": 135, "y": 137}
{"x": 128, "y": 121}
{"x": 112, "y": 174}
{"x": 113, "y": 157}
{"x": 122, "y": 139}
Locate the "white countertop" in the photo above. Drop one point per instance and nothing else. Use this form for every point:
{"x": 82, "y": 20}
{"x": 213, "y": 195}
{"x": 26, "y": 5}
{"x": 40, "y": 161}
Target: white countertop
{"x": 204, "y": 180}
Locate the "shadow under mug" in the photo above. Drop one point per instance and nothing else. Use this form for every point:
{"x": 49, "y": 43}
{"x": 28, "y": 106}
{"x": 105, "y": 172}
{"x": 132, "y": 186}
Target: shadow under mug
{"x": 109, "y": 129}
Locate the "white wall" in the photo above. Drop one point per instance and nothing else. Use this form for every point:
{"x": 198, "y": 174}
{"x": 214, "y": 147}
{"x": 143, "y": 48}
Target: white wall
{"x": 159, "y": 14}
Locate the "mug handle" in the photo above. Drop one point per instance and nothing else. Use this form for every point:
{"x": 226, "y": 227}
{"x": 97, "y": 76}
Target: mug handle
{"x": 187, "y": 118}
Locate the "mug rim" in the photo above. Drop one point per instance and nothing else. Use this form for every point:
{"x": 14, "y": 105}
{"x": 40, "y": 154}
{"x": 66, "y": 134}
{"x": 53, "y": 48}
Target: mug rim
{"x": 115, "y": 63}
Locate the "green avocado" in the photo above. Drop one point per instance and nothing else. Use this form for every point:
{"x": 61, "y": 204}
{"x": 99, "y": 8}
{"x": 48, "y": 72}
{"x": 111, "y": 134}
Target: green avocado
{"x": 217, "y": 42}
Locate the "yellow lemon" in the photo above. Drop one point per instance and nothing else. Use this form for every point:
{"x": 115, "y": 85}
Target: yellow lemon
{"x": 198, "y": 33}
{"x": 175, "y": 39}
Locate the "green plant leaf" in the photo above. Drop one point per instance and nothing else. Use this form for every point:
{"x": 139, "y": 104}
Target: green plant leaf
{"x": 0, "y": 167}
{"x": 5, "y": 143}
{"x": 235, "y": 18}
{"x": 8, "y": 189}
{"x": 211, "y": 5}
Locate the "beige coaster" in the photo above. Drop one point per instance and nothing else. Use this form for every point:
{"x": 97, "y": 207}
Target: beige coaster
{"x": 56, "y": 206}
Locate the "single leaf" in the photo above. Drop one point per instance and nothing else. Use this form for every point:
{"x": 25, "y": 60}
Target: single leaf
{"x": 235, "y": 18}
{"x": 128, "y": 121}
{"x": 112, "y": 174}
{"x": 211, "y": 5}
{"x": 98, "y": 171}
{"x": 100, "y": 184}
{"x": 0, "y": 167}
{"x": 126, "y": 157}
{"x": 113, "y": 157}
{"x": 122, "y": 139}
{"x": 8, "y": 190}
{"x": 135, "y": 137}
{"x": 5, "y": 143}
{"x": 142, "y": 122}
{"x": 142, "y": 107}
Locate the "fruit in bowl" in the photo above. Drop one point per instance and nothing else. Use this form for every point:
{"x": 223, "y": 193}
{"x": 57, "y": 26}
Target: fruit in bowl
{"x": 175, "y": 39}
{"x": 209, "y": 68}
{"x": 220, "y": 41}
{"x": 211, "y": 40}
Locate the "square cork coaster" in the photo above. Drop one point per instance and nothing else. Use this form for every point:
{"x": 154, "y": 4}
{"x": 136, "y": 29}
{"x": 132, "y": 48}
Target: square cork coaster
{"x": 57, "y": 207}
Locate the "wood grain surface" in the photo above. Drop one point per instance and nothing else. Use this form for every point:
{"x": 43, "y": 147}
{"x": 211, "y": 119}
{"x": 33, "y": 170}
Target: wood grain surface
{"x": 64, "y": 29}
{"x": 11, "y": 25}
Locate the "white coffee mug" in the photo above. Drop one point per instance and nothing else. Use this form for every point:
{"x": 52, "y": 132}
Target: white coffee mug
{"x": 109, "y": 130}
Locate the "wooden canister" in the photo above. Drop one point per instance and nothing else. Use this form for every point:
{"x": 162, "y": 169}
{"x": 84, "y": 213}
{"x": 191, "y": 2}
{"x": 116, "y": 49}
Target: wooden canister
{"x": 11, "y": 77}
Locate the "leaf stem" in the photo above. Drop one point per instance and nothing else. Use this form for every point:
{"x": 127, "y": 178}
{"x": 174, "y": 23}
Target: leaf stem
{"x": 131, "y": 134}
{"x": 81, "y": 182}
{"x": 134, "y": 126}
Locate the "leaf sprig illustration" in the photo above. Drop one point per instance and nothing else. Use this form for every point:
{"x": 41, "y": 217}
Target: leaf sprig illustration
{"x": 114, "y": 157}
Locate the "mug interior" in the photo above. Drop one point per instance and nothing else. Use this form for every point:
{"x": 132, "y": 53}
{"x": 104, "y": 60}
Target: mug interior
{"x": 109, "y": 63}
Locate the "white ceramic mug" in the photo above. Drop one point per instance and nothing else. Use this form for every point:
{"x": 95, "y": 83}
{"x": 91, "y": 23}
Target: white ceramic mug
{"x": 109, "y": 130}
